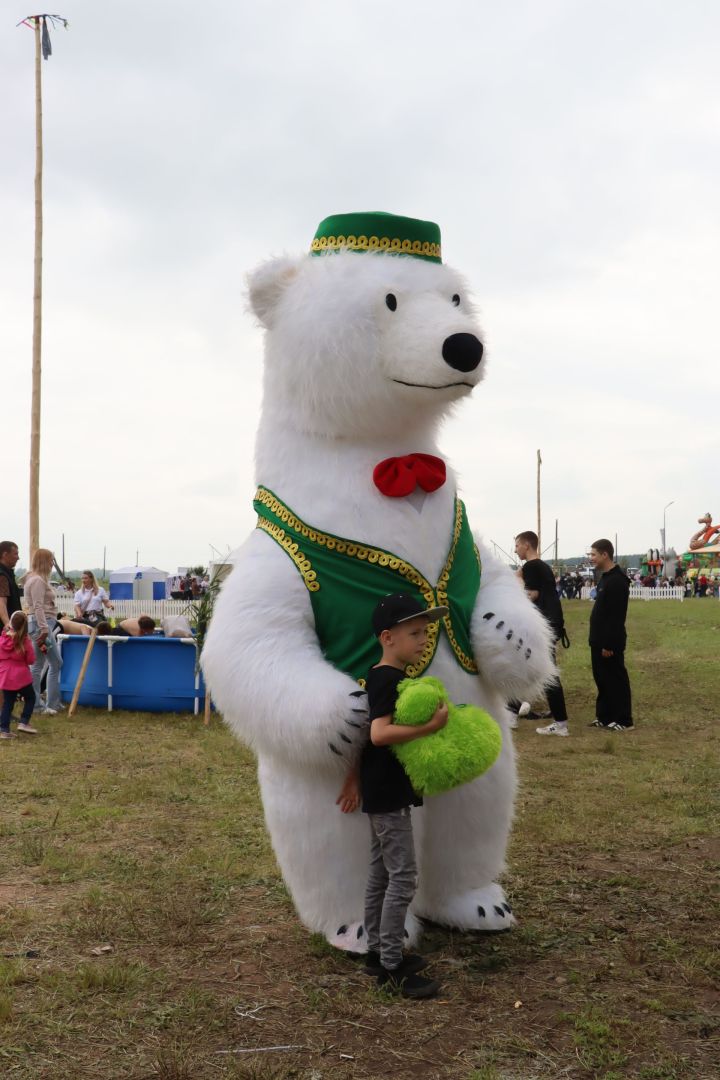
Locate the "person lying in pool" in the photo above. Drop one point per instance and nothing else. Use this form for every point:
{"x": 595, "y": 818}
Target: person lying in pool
{"x": 143, "y": 626}
{"x": 70, "y": 626}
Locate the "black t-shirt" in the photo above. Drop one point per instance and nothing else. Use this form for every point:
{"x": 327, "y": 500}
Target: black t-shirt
{"x": 384, "y": 784}
{"x": 538, "y": 576}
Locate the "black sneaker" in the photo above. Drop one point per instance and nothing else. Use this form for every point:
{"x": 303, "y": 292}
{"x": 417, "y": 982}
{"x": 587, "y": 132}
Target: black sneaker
{"x": 596, "y": 723}
{"x": 407, "y": 984}
{"x": 411, "y": 963}
{"x": 621, "y": 727}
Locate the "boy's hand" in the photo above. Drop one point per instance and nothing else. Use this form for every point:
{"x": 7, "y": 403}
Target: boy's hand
{"x": 439, "y": 718}
{"x": 349, "y": 798}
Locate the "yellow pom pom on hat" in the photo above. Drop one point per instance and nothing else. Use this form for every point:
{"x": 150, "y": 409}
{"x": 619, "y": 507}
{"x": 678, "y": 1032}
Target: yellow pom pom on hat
{"x": 387, "y": 234}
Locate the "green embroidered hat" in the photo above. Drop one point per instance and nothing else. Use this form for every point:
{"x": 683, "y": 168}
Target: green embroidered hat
{"x": 378, "y": 231}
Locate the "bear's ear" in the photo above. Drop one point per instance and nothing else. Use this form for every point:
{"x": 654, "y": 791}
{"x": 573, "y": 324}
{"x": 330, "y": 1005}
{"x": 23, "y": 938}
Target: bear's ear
{"x": 268, "y": 282}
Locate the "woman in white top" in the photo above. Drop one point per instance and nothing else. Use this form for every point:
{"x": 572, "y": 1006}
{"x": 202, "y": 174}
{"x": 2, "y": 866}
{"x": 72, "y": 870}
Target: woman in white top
{"x": 39, "y": 597}
{"x": 90, "y": 600}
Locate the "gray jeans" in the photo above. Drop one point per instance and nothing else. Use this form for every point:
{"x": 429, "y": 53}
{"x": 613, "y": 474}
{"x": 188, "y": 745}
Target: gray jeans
{"x": 391, "y": 884}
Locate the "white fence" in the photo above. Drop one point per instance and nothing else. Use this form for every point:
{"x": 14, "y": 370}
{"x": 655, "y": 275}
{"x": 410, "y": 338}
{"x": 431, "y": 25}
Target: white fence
{"x": 639, "y": 592}
{"x": 131, "y": 609}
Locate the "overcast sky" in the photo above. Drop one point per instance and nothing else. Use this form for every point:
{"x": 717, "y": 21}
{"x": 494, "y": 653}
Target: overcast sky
{"x": 569, "y": 150}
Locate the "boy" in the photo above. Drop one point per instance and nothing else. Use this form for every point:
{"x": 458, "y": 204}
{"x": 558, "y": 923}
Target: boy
{"x": 400, "y": 623}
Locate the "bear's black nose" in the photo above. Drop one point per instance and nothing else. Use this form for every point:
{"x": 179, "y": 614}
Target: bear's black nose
{"x": 462, "y": 351}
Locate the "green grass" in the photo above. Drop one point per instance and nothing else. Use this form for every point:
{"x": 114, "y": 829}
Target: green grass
{"x": 143, "y": 835}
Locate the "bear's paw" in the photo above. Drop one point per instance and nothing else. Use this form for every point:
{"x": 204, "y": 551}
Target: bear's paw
{"x": 484, "y": 910}
{"x": 350, "y": 733}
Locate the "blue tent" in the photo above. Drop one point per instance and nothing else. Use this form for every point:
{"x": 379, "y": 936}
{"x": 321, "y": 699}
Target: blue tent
{"x": 138, "y": 583}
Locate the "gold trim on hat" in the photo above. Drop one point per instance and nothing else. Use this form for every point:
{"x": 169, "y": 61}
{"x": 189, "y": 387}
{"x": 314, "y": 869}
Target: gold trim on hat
{"x": 392, "y": 246}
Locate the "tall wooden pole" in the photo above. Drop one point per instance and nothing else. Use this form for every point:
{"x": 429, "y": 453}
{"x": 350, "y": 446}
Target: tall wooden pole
{"x": 37, "y": 310}
{"x": 539, "y": 535}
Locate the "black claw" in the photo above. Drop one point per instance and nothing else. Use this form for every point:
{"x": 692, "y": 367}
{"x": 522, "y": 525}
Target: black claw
{"x": 489, "y": 615}
{"x": 334, "y": 749}
{"x": 358, "y": 693}
{"x": 481, "y": 911}
{"x": 507, "y": 908}
{"x": 361, "y": 712}
{"x": 353, "y": 723}
{"x": 407, "y": 934}
{"x": 344, "y": 737}
{"x": 500, "y": 624}
{"x": 520, "y": 641}
{"x": 360, "y": 931}
{"x": 343, "y": 929}
{"x": 499, "y": 911}
{"x": 528, "y": 654}
{"x": 509, "y": 635}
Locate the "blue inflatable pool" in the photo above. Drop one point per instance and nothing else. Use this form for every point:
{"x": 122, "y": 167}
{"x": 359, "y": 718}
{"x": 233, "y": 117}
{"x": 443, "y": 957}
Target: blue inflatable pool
{"x": 143, "y": 674}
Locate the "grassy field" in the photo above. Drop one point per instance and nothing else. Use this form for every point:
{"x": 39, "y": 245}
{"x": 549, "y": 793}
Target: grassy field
{"x": 145, "y": 932}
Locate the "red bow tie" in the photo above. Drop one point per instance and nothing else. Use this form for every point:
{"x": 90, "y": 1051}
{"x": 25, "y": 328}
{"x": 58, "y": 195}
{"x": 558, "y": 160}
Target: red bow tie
{"x": 399, "y": 476}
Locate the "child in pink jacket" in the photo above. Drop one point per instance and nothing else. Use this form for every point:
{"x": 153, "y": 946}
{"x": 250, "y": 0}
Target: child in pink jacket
{"x": 16, "y": 656}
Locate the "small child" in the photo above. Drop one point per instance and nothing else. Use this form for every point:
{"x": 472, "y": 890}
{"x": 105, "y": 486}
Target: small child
{"x": 16, "y": 656}
{"x": 400, "y": 623}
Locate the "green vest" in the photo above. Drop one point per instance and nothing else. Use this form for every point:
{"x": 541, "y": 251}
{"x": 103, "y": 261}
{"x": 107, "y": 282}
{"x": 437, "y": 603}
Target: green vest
{"x": 346, "y": 579}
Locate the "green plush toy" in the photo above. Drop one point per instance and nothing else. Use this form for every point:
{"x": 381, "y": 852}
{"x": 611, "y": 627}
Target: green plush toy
{"x": 465, "y": 748}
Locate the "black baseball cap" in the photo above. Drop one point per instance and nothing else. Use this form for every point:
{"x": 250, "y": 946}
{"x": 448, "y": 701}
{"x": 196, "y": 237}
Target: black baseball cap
{"x": 398, "y": 608}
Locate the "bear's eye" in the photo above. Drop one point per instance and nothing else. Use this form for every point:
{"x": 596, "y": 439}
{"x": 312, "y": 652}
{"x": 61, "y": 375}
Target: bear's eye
{"x": 456, "y": 300}
{"x": 391, "y": 301}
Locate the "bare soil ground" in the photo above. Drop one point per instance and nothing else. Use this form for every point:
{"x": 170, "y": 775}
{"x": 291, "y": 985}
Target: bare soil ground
{"x": 145, "y": 931}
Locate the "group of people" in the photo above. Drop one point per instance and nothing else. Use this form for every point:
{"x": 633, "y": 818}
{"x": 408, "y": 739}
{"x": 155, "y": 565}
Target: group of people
{"x": 702, "y": 585}
{"x": 607, "y": 637}
{"x": 28, "y": 647}
{"x": 569, "y": 586}
{"x": 188, "y": 586}
{"x": 30, "y": 659}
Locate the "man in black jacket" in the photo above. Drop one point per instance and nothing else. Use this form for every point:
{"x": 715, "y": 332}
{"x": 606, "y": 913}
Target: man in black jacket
{"x": 9, "y": 592}
{"x": 608, "y": 638}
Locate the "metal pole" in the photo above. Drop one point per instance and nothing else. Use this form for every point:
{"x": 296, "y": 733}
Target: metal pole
{"x": 37, "y": 311}
{"x": 663, "y": 536}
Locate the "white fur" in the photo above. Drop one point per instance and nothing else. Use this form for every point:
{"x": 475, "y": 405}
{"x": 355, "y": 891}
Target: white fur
{"x": 336, "y": 359}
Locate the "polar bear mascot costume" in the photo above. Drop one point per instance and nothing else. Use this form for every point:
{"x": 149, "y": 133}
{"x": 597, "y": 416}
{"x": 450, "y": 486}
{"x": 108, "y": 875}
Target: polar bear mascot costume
{"x": 370, "y": 341}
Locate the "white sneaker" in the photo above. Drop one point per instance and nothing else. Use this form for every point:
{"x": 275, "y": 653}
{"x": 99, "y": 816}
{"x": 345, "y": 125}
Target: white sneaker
{"x": 27, "y": 728}
{"x": 553, "y": 729}
{"x": 47, "y": 711}
{"x": 524, "y": 709}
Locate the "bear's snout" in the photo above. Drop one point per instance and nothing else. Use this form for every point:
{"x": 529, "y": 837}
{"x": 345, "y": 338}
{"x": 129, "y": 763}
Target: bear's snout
{"x": 462, "y": 351}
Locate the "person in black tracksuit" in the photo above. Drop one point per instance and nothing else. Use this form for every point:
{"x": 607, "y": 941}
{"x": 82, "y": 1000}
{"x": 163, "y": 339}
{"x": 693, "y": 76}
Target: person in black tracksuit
{"x": 608, "y": 639}
{"x": 539, "y": 582}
